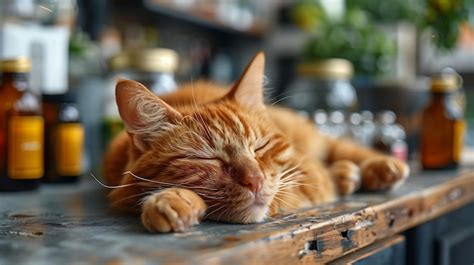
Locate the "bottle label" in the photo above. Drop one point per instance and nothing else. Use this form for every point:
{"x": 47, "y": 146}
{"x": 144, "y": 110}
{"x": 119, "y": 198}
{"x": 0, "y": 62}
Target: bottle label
{"x": 25, "y": 147}
{"x": 70, "y": 139}
{"x": 458, "y": 139}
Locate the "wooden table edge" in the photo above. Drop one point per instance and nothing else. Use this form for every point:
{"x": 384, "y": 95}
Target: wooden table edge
{"x": 321, "y": 242}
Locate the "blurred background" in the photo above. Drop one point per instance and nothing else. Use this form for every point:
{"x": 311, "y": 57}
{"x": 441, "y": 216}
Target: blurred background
{"x": 351, "y": 66}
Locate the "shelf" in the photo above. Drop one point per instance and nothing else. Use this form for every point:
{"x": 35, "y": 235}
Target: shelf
{"x": 203, "y": 17}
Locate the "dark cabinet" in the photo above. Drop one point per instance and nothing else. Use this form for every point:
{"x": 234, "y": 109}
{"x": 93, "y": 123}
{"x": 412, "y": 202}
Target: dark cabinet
{"x": 448, "y": 239}
{"x": 390, "y": 251}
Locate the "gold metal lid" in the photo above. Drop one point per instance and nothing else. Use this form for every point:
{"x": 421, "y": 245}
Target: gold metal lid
{"x": 15, "y": 65}
{"x": 445, "y": 82}
{"x": 328, "y": 68}
{"x": 155, "y": 60}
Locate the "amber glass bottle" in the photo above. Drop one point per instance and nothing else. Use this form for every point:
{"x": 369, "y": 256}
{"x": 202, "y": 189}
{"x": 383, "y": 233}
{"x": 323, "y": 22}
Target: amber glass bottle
{"x": 443, "y": 125}
{"x": 64, "y": 138}
{"x": 21, "y": 128}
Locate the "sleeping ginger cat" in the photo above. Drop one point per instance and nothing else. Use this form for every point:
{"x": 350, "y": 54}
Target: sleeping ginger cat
{"x": 204, "y": 152}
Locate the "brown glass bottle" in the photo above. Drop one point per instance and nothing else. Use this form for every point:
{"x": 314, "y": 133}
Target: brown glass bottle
{"x": 443, "y": 125}
{"x": 21, "y": 128}
{"x": 64, "y": 137}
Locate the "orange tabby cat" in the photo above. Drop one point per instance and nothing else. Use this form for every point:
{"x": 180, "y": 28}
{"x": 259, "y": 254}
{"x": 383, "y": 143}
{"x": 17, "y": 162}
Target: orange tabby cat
{"x": 204, "y": 152}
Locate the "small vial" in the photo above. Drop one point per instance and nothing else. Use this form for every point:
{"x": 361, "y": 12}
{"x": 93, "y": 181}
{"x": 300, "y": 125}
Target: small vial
{"x": 64, "y": 139}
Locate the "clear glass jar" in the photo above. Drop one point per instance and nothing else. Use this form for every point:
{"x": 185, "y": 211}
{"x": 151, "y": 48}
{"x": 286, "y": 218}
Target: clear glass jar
{"x": 155, "y": 69}
{"x": 324, "y": 85}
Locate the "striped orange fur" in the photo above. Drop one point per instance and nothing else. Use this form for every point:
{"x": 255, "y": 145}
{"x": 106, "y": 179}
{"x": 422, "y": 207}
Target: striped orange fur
{"x": 207, "y": 152}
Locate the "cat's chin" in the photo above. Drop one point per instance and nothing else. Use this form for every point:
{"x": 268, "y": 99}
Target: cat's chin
{"x": 256, "y": 213}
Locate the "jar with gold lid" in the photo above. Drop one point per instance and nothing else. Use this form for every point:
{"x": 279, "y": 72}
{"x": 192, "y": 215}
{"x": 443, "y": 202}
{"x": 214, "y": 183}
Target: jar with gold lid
{"x": 155, "y": 68}
{"x": 443, "y": 124}
{"x": 21, "y": 128}
{"x": 323, "y": 84}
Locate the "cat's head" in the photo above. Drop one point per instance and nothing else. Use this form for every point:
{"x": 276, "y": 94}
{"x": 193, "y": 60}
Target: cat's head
{"x": 227, "y": 151}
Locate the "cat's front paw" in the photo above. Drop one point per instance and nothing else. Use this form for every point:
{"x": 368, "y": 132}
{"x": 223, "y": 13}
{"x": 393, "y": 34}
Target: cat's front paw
{"x": 172, "y": 210}
{"x": 383, "y": 173}
{"x": 346, "y": 175}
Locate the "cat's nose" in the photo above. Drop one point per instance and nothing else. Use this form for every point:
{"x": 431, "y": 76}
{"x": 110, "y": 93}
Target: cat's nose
{"x": 247, "y": 173}
{"x": 251, "y": 181}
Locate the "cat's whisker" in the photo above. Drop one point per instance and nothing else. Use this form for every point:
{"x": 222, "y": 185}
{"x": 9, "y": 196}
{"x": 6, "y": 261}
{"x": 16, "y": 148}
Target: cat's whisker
{"x": 111, "y": 186}
{"x": 215, "y": 210}
{"x": 288, "y": 171}
{"x": 166, "y": 183}
{"x": 281, "y": 99}
{"x": 184, "y": 184}
{"x": 296, "y": 185}
{"x": 297, "y": 178}
{"x": 219, "y": 216}
{"x": 287, "y": 204}
{"x": 209, "y": 196}
{"x": 140, "y": 201}
{"x": 277, "y": 97}
{"x": 283, "y": 175}
{"x": 197, "y": 188}
{"x": 288, "y": 194}
{"x": 291, "y": 177}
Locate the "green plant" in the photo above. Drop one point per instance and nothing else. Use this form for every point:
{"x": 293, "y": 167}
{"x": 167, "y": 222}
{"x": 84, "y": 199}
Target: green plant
{"x": 442, "y": 17}
{"x": 354, "y": 38}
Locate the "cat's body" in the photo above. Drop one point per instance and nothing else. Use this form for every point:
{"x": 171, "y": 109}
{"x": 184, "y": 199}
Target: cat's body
{"x": 224, "y": 155}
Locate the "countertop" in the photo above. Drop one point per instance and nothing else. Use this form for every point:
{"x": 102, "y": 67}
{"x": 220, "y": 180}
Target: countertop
{"x": 71, "y": 224}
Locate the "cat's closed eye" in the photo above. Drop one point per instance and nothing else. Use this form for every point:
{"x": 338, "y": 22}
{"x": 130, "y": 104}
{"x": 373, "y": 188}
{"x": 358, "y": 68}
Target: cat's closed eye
{"x": 209, "y": 160}
{"x": 261, "y": 146}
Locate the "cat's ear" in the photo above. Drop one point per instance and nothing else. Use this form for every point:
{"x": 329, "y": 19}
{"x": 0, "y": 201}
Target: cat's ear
{"x": 145, "y": 115}
{"x": 248, "y": 90}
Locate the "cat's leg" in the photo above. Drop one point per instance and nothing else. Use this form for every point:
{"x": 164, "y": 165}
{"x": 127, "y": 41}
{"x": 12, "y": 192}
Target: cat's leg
{"x": 377, "y": 171}
{"x": 346, "y": 176}
{"x": 172, "y": 210}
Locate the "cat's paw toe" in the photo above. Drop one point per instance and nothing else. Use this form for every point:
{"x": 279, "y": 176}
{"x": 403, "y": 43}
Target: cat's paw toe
{"x": 346, "y": 175}
{"x": 172, "y": 210}
{"x": 383, "y": 173}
